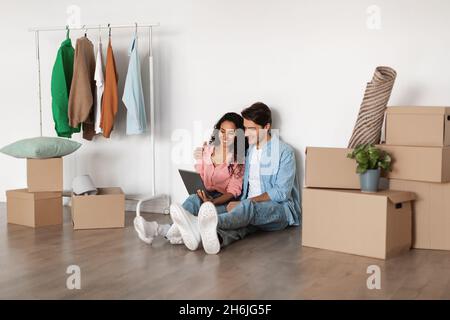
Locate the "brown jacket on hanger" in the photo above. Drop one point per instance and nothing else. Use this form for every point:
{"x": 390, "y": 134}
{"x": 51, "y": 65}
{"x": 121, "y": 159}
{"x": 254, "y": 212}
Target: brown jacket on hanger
{"x": 110, "y": 100}
{"x": 82, "y": 90}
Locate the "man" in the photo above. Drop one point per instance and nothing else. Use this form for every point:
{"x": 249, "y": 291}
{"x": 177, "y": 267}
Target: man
{"x": 270, "y": 199}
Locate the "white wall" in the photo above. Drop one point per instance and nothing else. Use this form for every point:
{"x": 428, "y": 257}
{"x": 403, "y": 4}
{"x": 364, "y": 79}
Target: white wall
{"x": 308, "y": 60}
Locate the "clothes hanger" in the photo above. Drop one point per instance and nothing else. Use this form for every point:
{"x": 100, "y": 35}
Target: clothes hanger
{"x": 67, "y": 31}
{"x": 135, "y": 29}
{"x": 99, "y": 33}
{"x": 85, "y": 30}
{"x": 109, "y": 32}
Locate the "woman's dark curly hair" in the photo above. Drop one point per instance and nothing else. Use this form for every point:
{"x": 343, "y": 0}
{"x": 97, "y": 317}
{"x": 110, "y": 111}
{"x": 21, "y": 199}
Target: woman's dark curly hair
{"x": 240, "y": 144}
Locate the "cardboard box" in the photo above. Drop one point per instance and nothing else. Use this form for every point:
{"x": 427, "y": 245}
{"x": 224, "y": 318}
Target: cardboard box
{"x": 34, "y": 209}
{"x": 431, "y": 213}
{"x": 45, "y": 175}
{"x": 418, "y": 126}
{"x": 104, "y": 210}
{"x": 375, "y": 225}
{"x": 430, "y": 164}
{"x": 330, "y": 168}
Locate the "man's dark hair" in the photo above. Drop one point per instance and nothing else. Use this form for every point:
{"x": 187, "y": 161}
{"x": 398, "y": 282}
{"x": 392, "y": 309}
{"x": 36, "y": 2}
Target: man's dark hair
{"x": 259, "y": 113}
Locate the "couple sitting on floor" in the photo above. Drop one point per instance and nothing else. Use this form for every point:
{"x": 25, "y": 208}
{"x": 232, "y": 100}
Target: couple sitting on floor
{"x": 248, "y": 190}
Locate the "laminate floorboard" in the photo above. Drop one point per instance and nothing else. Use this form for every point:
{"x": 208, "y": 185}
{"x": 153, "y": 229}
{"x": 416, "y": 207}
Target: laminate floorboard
{"x": 115, "y": 264}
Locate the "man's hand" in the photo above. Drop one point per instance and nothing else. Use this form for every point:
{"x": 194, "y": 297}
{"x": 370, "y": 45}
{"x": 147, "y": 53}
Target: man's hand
{"x": 198, "y": 152}
{"x": 232, "y": 204}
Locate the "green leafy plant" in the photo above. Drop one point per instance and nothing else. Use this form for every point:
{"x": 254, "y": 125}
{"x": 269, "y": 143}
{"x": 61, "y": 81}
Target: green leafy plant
{"x": 369, "y": 157}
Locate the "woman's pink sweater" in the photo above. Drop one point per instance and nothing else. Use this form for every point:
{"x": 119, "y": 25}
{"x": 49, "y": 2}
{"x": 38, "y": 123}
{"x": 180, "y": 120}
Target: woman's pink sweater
{"x": 218, "y": 177}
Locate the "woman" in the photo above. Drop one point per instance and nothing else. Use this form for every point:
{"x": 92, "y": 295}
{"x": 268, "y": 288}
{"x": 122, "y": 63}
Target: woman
{"x": 220, "y": 164}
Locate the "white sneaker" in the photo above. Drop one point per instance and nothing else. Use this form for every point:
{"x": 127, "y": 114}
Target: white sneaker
{"x": 207, "y": 224}
{"x": 176, "y": 240}
{"x": 163, "y": 229}
{"x": 146, "y": 231}
{"x": 187, "y": 225}
{"x": 174, "y": 235}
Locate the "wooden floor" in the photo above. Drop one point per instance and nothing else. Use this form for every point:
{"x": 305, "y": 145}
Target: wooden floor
{"x": 115, "y": 264}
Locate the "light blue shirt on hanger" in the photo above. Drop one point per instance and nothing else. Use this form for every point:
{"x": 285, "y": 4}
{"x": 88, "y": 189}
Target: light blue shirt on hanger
{"x": 133, "y": 95}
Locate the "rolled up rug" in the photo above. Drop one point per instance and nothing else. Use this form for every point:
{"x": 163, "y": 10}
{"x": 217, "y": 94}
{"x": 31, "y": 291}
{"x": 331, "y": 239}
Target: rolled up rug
{"x": 371, "y": 114}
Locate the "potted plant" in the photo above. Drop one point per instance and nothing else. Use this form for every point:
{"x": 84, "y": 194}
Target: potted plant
{"x": 371, "y": 161}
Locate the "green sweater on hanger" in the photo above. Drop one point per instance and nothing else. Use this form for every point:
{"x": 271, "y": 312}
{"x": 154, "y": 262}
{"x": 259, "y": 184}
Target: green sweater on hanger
{"x": 60, "y": 87}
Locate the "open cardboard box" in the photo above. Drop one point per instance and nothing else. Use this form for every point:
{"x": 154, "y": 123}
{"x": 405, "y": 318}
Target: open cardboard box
{"x": 103, "y": 210}
{"x": 375, "y": 225}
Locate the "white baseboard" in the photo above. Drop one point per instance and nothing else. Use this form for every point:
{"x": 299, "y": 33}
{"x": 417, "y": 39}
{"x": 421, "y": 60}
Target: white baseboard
{"x": 158, "y": 205}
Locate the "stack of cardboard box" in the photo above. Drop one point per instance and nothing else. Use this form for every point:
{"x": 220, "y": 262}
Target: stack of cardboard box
{"x": 413, "y": 211}
{"x": 40, "y": 204}
{"x": 418, "y": 139}
{"x": 337, "y": 216}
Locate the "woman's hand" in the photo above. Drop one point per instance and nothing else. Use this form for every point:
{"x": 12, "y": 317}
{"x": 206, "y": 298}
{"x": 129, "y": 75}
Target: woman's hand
{"x": 198, "y": 152}
{"x": 202, "y": 195}
{"x": 232, "y": 205}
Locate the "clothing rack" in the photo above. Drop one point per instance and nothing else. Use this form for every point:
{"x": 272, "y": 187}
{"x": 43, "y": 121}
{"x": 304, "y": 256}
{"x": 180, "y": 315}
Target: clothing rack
{"x": 141, "y": 199}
